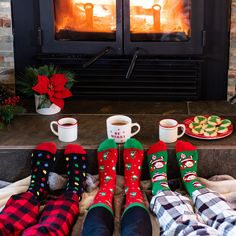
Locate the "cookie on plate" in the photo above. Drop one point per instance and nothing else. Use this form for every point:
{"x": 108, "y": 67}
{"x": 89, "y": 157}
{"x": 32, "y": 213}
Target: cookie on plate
{"x": 200, "y": 119}
{"x": 194, "y": 125}
{"x": 222, "y": 129}
{"x": 225, "y": 123}
{"x": 214, "y": 120}
{"x": 208, "y": 127}
{"x": 210, "y": 133}
{"x": 198, "y": 130}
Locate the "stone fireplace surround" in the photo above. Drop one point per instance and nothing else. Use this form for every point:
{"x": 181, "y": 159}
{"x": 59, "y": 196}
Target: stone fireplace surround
{"x": 7, "y": 76}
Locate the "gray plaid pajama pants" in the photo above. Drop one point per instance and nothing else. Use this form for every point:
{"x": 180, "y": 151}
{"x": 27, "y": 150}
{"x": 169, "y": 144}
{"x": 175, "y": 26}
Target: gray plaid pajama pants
{"x": 177, "y": 217}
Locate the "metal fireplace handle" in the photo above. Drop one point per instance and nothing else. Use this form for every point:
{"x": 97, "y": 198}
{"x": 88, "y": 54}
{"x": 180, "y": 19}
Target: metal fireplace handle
{"x": 131, "y": 67}
{"x": 95, "y": 58}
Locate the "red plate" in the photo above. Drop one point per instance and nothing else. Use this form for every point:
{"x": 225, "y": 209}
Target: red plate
{"x": 189, "y": 132}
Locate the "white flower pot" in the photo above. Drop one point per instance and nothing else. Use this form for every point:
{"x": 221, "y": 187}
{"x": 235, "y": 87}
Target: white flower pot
{"x": 53, "y": 109}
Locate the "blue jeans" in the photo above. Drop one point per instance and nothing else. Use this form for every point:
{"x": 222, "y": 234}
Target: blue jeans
{"x": 100, "y": 222}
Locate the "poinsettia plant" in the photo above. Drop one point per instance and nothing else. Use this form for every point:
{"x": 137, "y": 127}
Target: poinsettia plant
{"x": 52, "y": 84}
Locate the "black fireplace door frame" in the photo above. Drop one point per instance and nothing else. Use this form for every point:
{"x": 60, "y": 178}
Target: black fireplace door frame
{"x": 50, "y": 45}
{"x": 122, "y": 43}
{"x": 192, "y": 47}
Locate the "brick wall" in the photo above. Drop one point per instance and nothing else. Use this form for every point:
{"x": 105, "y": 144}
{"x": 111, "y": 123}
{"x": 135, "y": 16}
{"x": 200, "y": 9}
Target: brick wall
{"x": 7, "y": 76}
{"x": 232, "y": 51}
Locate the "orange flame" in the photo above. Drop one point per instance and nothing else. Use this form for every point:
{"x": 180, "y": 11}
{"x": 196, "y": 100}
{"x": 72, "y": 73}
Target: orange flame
{"x": 146, "y": 16}
{"x": 159, "y": 16}
{"x": 85, "y": 16}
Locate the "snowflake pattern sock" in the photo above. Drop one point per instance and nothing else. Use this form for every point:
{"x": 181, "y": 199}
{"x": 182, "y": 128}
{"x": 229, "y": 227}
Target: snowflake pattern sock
{"x": 187, "y": 158}
{"x": 107, "y": 159}
{"x": 42, "y": 161}
{"x": 76, "y": 166}
{"x": 157, "y": 162}
{"x": 133, "y": 160}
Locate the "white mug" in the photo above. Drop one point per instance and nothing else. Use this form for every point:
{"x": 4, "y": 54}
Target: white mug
{"x": 67, "y": 129}
{"x": 168, "y": 130}
{"x": 119, "y": 128}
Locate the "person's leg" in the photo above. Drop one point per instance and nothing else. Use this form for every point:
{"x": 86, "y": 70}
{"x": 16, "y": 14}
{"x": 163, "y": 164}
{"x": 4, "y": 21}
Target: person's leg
{"x": 213, "y": 209}
{"x": 135, "y": 222}
{"x": 133, "y": 160}
{"x": 174, "y": 212}
{"x": 59, "y": 214}
{"x": 176, "y": 216}
{"x": 99, "y": 220}
{"x": 21, "y": 210}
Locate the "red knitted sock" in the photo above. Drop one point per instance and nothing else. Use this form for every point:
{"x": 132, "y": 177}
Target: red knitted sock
{"x": 133, "y": 159}
{"x": 107, "y": 158}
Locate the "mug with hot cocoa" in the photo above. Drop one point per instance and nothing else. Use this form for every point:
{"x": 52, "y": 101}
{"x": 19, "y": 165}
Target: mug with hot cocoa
{"x": 67, "y": 129}
{"x": 119, "y": 128}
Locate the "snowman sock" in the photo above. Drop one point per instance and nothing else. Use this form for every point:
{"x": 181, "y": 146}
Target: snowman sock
{"x": 133, "y": 159}
{"x": 187, "y": 158}
{"x": 157, "y": 162}
{"x": 76, "y": 166}
{"x": 42, "y": 161}
{"x": 107, "y": 159}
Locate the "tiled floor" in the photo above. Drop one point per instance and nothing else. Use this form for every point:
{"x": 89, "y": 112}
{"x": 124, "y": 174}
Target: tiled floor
{"x": 30, "y": 129}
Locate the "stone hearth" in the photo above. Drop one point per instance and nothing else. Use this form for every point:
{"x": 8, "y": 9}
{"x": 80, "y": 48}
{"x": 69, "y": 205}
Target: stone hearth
{"x": 30, "y": 129}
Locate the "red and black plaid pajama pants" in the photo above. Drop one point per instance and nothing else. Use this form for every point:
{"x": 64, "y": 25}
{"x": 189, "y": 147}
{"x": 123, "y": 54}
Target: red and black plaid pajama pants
{"x": 21, "y": 215}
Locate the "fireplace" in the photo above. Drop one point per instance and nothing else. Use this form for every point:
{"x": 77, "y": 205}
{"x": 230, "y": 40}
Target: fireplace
{"x": 154, "y": 49}
{"x": 156, "y": 29}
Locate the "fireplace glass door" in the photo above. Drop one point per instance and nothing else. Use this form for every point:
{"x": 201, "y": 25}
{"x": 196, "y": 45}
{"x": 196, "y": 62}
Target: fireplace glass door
{"x": 160, "y": 20}
{"x": 80, "y": 20}
{"x": 164, "y": 27}
{"x": 81, "y": 26}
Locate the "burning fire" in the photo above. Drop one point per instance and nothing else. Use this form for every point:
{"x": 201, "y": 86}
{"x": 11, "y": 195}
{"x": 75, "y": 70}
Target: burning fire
{"x": 85, "y": 16}
{"x": 160, "y": 16}
{"x": 146, "y": 16}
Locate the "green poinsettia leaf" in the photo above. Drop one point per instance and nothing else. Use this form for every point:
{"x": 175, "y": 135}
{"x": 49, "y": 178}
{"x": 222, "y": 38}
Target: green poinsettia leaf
{"x": 47, "y": 70}
{"x": 26, "y": 81}
{"x": 69, "y": 84}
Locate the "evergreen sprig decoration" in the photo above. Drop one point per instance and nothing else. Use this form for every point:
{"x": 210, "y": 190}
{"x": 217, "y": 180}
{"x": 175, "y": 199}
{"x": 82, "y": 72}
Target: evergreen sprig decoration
{"x": 48, "y": 81}
{"x": 9, "y": 106}
{"x": 7, "y": 113}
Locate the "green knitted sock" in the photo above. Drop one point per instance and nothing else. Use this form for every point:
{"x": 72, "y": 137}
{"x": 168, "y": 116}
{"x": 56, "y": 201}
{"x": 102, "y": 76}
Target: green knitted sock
{"x": 187, "y": 157}
{"x": 157, "y": 162}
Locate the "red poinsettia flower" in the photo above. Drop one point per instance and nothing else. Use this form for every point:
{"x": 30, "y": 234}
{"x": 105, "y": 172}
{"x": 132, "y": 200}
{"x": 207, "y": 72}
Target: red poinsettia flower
{"x": 54, "y": 88}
